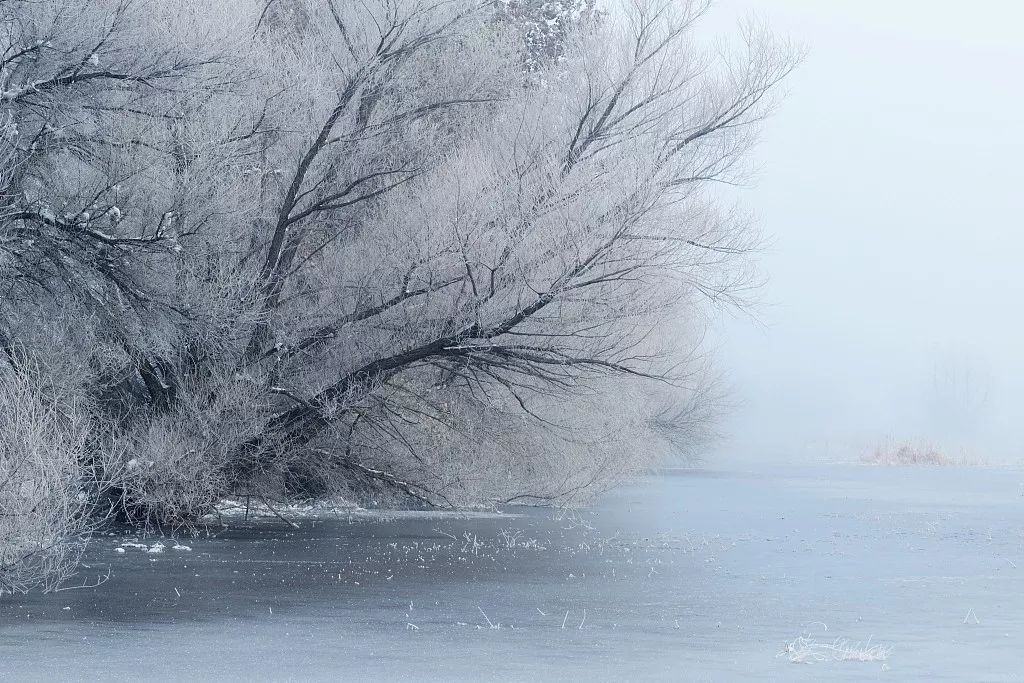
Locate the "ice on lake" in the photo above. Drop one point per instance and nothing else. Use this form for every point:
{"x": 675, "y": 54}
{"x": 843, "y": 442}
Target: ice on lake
{"x": 854, "y": 572}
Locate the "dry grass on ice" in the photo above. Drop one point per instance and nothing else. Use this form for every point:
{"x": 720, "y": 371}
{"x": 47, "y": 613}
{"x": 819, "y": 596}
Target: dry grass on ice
{"x": 898, "y": 453}
{"x": 906, "y": 454}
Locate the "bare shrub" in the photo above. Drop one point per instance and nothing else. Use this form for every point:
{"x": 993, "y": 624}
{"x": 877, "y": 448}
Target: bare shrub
{"x": 172, "y": 468}
{"x": 43, "y": 507}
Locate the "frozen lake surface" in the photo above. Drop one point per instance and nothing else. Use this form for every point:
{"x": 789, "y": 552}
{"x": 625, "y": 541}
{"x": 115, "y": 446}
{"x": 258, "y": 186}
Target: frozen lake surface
{"x": 692, "y": 575}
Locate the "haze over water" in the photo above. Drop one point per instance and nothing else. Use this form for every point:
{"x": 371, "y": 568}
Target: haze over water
{"x": 889, "y": 185}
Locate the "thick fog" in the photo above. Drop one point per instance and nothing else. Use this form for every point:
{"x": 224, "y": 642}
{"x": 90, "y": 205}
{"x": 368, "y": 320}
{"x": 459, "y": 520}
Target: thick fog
{"x": 890, "y": 186}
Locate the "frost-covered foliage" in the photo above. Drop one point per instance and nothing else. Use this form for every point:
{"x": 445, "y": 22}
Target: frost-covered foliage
{"x": 317, "y": 247}
{"x": 548, "y": 28}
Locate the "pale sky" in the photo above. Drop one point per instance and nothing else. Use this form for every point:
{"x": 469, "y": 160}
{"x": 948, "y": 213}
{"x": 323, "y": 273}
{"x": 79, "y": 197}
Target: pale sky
{"x": 890, "y": 183}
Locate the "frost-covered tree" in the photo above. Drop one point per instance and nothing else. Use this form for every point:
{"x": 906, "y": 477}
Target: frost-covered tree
{"x": 315, "y": 246}
{"x": 532, "y": 252}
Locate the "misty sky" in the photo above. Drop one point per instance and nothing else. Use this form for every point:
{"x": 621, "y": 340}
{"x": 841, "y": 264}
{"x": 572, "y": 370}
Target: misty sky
{"x": 890, "y": 184}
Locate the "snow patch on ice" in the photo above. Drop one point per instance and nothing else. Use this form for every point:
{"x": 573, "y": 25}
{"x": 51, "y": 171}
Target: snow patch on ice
{"x": 130, "y": 544}
{"x": 341, "y": 509}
